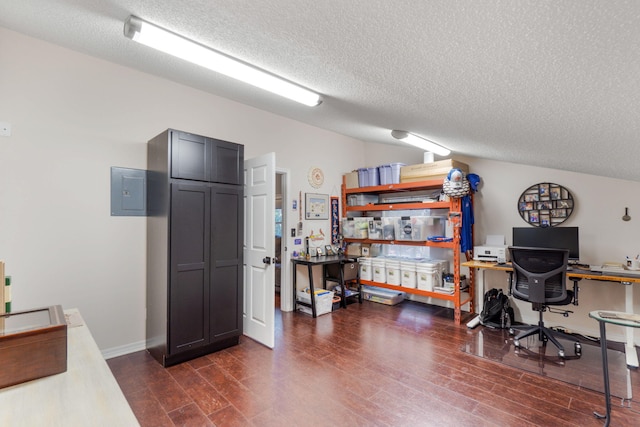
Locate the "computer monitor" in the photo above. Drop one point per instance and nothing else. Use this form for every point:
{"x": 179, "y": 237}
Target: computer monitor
{"x": 549, "y": 237}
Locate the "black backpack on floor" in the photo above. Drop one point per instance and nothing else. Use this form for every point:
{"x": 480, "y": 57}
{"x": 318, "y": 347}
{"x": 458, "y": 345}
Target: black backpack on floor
{"x": 497, "y": 312}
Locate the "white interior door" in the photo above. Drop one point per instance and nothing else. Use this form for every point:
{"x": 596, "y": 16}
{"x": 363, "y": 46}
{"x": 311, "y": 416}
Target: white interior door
{"x": 259, "y": 248}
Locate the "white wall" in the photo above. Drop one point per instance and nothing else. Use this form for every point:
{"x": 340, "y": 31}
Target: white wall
{"x": 599, "y": 206}
{"x": 75, "y": 116}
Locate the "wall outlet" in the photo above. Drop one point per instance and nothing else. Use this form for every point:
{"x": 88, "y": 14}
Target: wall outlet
{"x": 5, "y": 129}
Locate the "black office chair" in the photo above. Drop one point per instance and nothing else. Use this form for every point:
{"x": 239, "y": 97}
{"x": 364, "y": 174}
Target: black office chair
{"x": 539, "y": 276}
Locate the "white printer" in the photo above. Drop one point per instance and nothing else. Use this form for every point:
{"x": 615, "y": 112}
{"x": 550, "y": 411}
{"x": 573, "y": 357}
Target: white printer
{"x": 494, "y": 250}
{"x": 490, "y": 253}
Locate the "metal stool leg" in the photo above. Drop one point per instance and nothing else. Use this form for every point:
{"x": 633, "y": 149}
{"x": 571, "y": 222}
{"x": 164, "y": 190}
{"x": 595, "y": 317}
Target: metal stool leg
{"x": 605, "y": 373}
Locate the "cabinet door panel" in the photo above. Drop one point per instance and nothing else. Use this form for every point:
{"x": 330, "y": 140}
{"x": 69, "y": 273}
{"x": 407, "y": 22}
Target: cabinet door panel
{"x": 227, "y": 162}
{"x": 190, "y": 266}
{"x": 189, "y": 156}
{"x": 226, "y": 265}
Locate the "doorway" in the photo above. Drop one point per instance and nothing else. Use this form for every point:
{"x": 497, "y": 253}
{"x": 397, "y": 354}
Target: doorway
{"x": 278, "y": 217}
{"x": 283, "y": 291}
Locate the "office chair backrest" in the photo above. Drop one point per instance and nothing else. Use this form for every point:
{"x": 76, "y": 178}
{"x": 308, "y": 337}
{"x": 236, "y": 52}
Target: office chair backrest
{"x": 539, "y": 274}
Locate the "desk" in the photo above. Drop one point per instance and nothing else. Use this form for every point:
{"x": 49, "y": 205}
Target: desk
{"x": 628, "y": 281}
{"x": 87, "y": 394}
{"x": 615, "y": 318}
{"x": 318, "y": 260}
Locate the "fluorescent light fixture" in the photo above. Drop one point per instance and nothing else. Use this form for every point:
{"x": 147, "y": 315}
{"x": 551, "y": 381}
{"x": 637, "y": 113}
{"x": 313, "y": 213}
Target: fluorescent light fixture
{"x": 163, "y": 40}
{"x": 419, "y": 142}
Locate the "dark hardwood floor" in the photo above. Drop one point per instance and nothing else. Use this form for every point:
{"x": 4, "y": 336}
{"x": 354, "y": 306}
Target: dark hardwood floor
{"x": 367, "y": 365}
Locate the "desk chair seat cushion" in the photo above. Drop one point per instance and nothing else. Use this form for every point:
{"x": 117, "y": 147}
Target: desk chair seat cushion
{"x": 566, "y": 301}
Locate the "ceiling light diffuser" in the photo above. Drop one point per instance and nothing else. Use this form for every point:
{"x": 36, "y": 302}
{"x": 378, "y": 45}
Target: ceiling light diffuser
{"x": 166, "y": 41}
{"x": 420, "y": 142}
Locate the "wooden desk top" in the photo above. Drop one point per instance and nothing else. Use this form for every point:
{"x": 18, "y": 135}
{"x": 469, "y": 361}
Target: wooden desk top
{"x": 573, "y": 274}
{"x": 87, "y": 394}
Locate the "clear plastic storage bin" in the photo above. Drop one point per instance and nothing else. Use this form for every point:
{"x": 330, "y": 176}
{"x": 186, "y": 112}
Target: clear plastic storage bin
{"x": 390, "y": 174}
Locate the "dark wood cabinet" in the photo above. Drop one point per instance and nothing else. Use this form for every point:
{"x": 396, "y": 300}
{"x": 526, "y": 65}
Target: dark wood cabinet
{"x": 194, "y": 246}
{"x": 199, "y": 158}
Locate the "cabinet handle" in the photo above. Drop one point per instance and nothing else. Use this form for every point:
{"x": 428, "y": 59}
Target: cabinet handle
{"x": 266, "y": 260}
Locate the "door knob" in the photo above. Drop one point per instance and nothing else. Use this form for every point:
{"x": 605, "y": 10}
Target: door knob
{"x": 266, "y": 260}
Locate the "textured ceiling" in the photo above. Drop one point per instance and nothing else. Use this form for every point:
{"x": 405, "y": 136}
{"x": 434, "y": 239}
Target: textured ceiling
{"x": 547, "y": 82}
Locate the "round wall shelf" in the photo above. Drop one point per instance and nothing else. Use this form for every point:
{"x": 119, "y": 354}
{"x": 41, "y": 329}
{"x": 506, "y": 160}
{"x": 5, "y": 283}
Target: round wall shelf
{"x": 545, "y": 204}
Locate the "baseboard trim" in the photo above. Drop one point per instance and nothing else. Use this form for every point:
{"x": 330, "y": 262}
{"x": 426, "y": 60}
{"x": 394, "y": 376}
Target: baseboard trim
{"x": 122, "y": 350}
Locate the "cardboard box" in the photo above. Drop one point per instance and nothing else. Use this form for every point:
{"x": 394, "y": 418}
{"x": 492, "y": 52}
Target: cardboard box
{"x": 33, "y": 344}
{"x": 351, "y": 180}
{"x": 429, "y": 171}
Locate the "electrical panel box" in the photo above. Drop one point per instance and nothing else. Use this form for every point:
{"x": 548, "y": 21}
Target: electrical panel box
{"x": 128, "y": 192}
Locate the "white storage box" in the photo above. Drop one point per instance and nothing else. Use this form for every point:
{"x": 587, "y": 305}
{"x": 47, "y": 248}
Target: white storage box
{"x": 378, "y": 267}
{"x": 324, "y": 301}
{"x": 381, "y": 295}
{"x": 427, "y": 276}
{"x": 393, "y": 271}
{"x": 365, "y": 268}
{"x": 408, "y": 274}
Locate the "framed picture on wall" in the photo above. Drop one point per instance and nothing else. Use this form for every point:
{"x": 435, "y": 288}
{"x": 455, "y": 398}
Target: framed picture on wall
{"x": 316, "y": 206}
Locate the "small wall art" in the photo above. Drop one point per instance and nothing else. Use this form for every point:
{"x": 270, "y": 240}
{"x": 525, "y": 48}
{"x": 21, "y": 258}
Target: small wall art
{"x": 316, "y": 206}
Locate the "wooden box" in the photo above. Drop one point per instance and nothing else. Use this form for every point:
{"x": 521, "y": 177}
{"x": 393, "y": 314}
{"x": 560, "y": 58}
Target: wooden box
{"x": 428, "y": 171}
{"x": 33, "y": 344}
